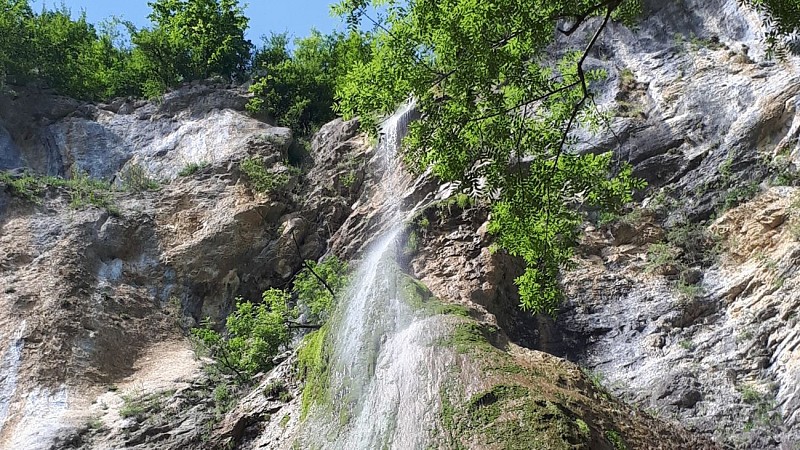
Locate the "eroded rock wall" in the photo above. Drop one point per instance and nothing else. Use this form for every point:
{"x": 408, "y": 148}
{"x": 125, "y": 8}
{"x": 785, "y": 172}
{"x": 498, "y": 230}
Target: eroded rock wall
{"x": 89, "y": 294}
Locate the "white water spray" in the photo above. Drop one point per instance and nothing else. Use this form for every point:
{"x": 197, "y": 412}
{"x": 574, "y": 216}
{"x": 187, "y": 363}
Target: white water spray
{"x": 385, "y": 369}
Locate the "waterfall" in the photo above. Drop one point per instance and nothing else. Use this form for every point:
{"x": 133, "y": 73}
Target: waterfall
{"x": 385, "y": 369}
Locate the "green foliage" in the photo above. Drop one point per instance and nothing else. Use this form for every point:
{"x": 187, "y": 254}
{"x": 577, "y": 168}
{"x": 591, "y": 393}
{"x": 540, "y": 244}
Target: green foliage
{"x": 490, "y": 99}
{"x": 782, "y": 18}
{"x": 191, "y": 168}
{"x": 68, "y": 55}
{"x": 278, "y": 390}
{"x": 134, "y": 178}
{"x": 255, "y": 334}
{"x": 194, "y": 39}
{"x": 82, "y": 189}
{"x": 739, "y": 194}
{"x": 190, "y": 39}
{"x": 297, "y": 87}
{"x": 766, "y": 411}
{"x": 349, "y": 179}
{"x": 224, "y": 399}
{"x": 696, "y": 244}
{"x": 660, "y": 257}
{"x": 263, "y": 181}
{"x": 139, "y": 405}
{"x": 313, "y": 365}
{"x": 313, "y": 293}
{"x": 689, "y": 291}
{"x": 687, "y": 344}
{"x": 412, "y": 243}
{"x": 583, "y": 427}
{"x": 616, "y": 440}
{"x": 27, "y": 186}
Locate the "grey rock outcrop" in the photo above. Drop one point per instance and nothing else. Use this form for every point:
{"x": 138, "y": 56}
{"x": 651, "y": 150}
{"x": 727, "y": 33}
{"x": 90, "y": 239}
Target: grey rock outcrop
{"x": 202, "y": 123}
{"x": 715, "y": 123}
{"x": 89, "y": 294}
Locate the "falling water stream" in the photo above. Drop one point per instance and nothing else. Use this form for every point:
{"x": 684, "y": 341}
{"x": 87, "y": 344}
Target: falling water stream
{"x": 386, "y": 371}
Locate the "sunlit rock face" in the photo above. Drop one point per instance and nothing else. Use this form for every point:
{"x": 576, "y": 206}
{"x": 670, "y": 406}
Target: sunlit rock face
{"x": 710, "y": 121}
{"x": 96, "y": 302}
{"x": 94, "y": 298}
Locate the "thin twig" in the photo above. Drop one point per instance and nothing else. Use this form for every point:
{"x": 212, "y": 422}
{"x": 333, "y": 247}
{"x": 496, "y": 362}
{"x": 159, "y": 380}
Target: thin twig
{"x": 309, "y": 267}
{"x": 576, "y": 109}
{"x": 293, "y": 324}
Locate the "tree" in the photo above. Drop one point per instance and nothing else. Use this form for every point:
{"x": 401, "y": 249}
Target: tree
{"x": 296, "y": 88}
{"x": 317, "y": 286}
{"x": 255, "y": 334}
{"x": 499, "y": 106}
{"x": 782, "y": 19}
{"x": 66, "y": 54}
{"x": 15, "y": 38}
{"x": 191, "y": 40}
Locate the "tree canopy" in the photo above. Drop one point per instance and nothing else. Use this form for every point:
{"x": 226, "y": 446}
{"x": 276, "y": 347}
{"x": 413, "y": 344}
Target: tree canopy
{"x": 499, "y": 106}
{"x": 189, "y": 40}
{"x": 200, "y": 37}
{"x": 782, "y": 19}
{"x": 296, "y": 87}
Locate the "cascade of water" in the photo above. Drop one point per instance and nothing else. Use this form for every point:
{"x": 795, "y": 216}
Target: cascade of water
{"x": 384, "y": 378}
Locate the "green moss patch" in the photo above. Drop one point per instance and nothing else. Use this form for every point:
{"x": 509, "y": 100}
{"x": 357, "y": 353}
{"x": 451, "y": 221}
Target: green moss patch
{"x": 511, "y": 416}
{"x": 313, "y": 366}
{"x": 421, "y": 298}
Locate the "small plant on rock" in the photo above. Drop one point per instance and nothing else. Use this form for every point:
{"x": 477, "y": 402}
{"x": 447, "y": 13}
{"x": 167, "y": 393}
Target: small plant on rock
{"x": 134, "y": 178}
{"x": 191, "y": 168}
{"x": 262, "y": 180}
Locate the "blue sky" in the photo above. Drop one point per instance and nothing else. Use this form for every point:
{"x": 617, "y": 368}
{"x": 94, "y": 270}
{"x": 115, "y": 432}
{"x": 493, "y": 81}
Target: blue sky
{"x": 295, "y": 16}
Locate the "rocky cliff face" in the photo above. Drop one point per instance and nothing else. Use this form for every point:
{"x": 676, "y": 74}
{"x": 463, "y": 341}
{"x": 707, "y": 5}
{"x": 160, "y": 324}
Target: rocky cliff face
{"x": 698, "y": 327}
{"x": 684, "y": 307}
{"x": 95, "y": 299}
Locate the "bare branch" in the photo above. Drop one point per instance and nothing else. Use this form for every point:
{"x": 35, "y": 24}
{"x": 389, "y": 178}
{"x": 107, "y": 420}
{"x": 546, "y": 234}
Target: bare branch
{"x": 581, "y": 18}
{"x": 309, "y": 267}
{"x": 292, "y": 324}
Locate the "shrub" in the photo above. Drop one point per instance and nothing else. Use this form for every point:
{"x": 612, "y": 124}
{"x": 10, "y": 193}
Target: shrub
{"x": 312, "y": 292}
{"x": 739, "y": 194}
{"x": 81, "y": 188}
{"x": 697, "y": 245}
{"x": 262, "y": 180}
{"x": 134, "y": 178}
{"x": 660, "y": 257}
{"x": 255, "y": 335}
{"x": 191, "y": 168}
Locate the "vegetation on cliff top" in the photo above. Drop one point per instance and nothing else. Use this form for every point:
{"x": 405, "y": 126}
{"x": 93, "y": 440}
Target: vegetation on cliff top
{"x": 189, "y": 40}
